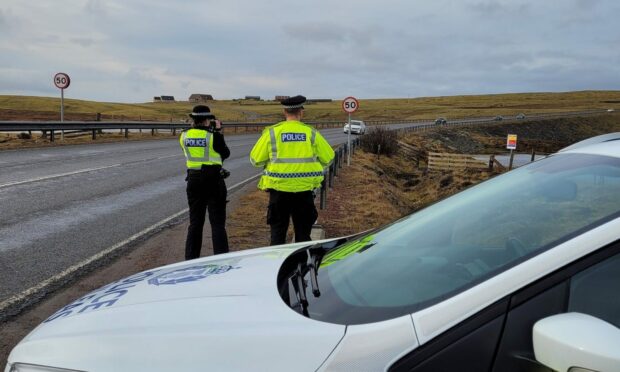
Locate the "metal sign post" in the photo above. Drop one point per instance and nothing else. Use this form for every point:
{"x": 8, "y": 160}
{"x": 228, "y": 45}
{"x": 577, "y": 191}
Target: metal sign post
{"x": 349, "y": 142}
{"x": 62, "y": 81}
{"x": 349, "y": 105}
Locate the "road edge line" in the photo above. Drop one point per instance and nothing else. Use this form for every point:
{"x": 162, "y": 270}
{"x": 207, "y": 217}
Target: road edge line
{"x": 16, "y": 303}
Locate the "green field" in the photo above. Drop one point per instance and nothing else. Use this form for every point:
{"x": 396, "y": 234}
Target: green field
{"x": 47, "y": 108}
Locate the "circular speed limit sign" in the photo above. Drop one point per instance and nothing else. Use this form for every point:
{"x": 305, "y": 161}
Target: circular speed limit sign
{"x": 350, "y": 105}
{"x": 61, "y": 80}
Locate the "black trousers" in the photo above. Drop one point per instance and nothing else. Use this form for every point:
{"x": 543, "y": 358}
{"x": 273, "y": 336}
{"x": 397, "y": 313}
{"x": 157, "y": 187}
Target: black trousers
{"x": 283, "y": 206}
{"x": 206, "y": 190}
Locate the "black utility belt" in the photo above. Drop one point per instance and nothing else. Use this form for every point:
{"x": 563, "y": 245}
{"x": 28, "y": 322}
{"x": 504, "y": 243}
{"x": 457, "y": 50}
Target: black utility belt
{"x": 205, "y": 168}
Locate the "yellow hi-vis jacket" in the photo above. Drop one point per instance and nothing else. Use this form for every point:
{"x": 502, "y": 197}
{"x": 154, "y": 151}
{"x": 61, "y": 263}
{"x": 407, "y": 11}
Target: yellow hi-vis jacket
{"x": 293, "y": 155}
{"x": 197, "y": 145}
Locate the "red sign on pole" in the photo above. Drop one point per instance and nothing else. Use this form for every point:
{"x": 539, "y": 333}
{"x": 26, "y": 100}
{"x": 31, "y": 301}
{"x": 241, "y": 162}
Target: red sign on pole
{"x": 62, "y": 80}
{"x": 350, "y": 105}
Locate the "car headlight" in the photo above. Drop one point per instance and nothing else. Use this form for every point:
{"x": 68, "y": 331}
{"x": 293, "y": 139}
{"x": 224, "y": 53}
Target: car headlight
{"x": 24, "y": 367}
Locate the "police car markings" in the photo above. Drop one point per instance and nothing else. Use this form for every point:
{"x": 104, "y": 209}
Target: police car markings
{"x": 190, "y": 274}
{"x": 103, "y": 297}
{"x": 109, "y": 295}
{"x": 57, "y": 175}
{"x": 58, "y": 278}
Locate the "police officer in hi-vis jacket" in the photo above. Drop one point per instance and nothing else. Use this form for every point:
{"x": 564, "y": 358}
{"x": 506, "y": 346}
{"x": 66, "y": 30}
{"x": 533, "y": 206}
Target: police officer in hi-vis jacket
{"x": 205, "y": 150}
{"x": 293, "y": 155}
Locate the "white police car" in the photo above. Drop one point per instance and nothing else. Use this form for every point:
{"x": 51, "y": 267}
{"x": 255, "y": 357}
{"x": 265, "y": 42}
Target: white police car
{"x": 519, "y": 273}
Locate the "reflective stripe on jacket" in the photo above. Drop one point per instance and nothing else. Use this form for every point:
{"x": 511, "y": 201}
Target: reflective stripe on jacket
{"x": 293, "y": 155}
{"x": 197, "y": 145}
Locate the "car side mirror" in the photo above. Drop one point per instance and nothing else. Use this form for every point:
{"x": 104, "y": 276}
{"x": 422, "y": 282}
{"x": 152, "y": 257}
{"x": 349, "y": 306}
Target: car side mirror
{"x": 576, "y": 342}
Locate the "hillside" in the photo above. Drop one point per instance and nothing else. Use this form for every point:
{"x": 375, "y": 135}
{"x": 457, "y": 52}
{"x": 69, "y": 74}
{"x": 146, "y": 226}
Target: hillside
{"x": 48, "y": 108}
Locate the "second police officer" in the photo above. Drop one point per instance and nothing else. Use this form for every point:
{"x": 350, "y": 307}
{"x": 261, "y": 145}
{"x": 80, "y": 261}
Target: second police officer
{"x": 293, "y": 155}
{"x": 205, "y": 150}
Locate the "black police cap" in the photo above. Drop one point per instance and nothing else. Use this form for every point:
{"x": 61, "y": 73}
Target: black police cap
{"x": 294, "y": 102}
{"x": 201, "y": 111}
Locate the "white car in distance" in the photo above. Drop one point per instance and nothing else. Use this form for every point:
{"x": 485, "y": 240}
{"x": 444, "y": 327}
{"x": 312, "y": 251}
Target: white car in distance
{"x": 357, "y": 127}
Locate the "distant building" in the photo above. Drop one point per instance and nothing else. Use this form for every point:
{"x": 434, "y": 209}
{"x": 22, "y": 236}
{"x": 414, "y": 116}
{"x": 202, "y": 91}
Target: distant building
{"x": 255, "y": 98}
{"x": 200, "y": 97}
{"x": 156, "y": 99}
{"x": 281, "y": 98}
{"x": 167, "y": 98}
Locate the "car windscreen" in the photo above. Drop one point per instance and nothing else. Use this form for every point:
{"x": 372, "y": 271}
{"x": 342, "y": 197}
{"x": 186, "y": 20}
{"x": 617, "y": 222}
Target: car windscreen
{"x": 465, "y": 239}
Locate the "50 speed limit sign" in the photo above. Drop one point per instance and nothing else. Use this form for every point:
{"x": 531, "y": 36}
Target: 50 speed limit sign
{"x": 61, "y": 80}
{"x": 350, "y": 105}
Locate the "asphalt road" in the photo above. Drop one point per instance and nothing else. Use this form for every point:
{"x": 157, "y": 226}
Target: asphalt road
{"x": 60, "y": 206}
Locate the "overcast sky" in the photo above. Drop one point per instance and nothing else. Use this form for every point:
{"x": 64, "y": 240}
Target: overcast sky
{"x": 132, "y": 50}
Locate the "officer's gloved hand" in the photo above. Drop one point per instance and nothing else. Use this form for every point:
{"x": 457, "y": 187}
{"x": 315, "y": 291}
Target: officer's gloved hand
{"x": 224, "y": 173}
{"x": 315, "y": 192}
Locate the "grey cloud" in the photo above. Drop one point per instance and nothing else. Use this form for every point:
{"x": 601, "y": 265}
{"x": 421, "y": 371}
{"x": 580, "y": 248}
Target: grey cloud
{"x": 493, "y": 8}
{"x": 587, "y": 5}
{"x": 319, "y": 32}
{"x": 82, "y": 41}
{"x": 4, "y": 24}
{"x": 141, "y": 77}
{"x": 332, "y": 33}
{"x": 7, "y": 20}
{"x": 95, "y": 7}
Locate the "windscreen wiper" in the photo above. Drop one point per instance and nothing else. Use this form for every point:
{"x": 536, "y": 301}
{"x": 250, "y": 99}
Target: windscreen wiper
{"x": 303, "y": 268}
{"x": 299, "y": 284}
{"x": 313, "y": 268}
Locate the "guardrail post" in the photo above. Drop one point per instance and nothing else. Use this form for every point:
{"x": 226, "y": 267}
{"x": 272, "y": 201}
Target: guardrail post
{"x": 52, "y": 135}
{"x": 152, "y": 131}
{"x": 94, "y": 134}
{"x": 533, "y": 155}
{"x": 491, "y": 162}
{"x": 323, "y": 201}
{"x": 331, "y": 175}
{"x": 126, "y": 132}
{"x": 336, "y": 163}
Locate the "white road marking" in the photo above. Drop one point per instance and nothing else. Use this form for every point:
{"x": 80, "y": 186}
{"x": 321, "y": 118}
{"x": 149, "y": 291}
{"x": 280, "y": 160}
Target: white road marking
{"x": 76, "y": 172}
{"x": 57, "y": 175}
{"x": 22, "y": 296}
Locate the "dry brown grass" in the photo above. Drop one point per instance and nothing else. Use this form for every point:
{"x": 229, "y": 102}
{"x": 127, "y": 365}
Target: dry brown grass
{"x": 246, "y": 225}
{"x": 543, "y": 136}
{"x": 370, "y": 193}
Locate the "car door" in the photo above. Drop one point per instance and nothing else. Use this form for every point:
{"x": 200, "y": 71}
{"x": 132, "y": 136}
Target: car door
{"x": 499, "y": 338}
{"x": 588, "y": 286}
